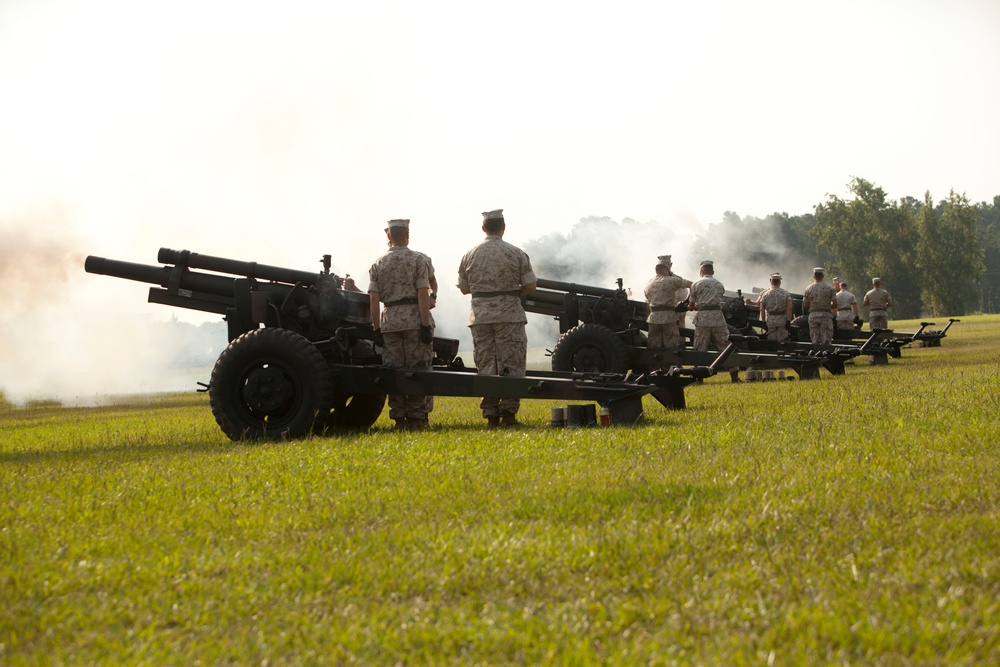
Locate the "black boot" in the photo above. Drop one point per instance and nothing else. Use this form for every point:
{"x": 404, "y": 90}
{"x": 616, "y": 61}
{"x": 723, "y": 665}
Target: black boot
{"x": 508, "y": 419}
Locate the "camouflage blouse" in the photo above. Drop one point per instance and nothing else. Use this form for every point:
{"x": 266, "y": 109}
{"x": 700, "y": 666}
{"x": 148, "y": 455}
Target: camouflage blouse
{"x": 774, "y": 301}
{"x": 396, "y": 276}
{"x": 661, "y": 292}
{"x": 494, "y": 272}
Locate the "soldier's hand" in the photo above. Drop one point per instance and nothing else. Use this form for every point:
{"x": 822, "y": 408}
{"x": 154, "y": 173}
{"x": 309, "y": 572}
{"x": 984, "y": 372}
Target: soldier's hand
{"x": 378, "y": 338}
{"x": 426, "y": 334}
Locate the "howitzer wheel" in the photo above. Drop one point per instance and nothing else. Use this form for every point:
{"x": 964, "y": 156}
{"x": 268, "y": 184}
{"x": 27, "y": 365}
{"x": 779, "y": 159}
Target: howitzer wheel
{"x": 270, "y": 384}
{"x": 352, "y": 411}
{"x": 590, "y": 348}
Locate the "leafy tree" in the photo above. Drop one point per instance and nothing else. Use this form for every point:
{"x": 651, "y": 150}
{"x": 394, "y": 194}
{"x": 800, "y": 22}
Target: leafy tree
{"x": 871, "y": 236}
{"x": 988, "y": 229}
{"x": 951, "y": 255}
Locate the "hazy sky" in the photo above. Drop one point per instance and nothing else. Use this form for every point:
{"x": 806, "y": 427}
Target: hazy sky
{"x": 277, "y": 132}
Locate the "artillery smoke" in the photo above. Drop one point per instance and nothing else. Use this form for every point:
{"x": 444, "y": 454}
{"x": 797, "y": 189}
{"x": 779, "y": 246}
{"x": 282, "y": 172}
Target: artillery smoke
{"x": 57, "y": 341}
{"x": 597, "y": 251}
{"x": 34, "y": 268}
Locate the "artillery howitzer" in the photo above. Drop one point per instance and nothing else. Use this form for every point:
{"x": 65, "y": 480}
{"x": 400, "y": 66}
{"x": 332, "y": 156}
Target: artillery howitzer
{"x": 302, "y": 357}
{"x": 602, "y": 330}
{"x": 878, "y": 344}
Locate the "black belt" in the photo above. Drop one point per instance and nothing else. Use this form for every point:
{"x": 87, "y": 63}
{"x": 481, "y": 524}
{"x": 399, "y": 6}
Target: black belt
{"x": 819, "y": 310}
{"x": 876, "y": 309}
{"x": 848, "y": 308}
{"x": 660, "y": 309}
{"x": 778, "y": 312}
{"x": 402, "y": 302}
{"x": 701, "y": 307}
{"x": 510, "y": 292}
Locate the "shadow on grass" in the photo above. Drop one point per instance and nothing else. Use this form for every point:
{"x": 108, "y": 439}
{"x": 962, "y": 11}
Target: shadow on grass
{"x": 117, "y": 453}
{"x": 523, "y": 427}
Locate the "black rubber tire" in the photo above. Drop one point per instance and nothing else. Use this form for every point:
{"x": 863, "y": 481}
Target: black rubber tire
{"x": 590, "y": 348}
{"x": 270, "y": 384}
{"x": 352, "y": 412}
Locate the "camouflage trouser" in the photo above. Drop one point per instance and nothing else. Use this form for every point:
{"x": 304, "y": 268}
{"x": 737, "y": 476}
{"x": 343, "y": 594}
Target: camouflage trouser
{"x": 403, "y": 349}
{"x": 877, "y": 319}
{"x": 705, "y": 335}
{"x": 499, "y": 349}
{"x": 844, "y": 324}
{"x": 820, "y": 328}
{"x": 663, "y": 336}
{"x": 776, "y": 329}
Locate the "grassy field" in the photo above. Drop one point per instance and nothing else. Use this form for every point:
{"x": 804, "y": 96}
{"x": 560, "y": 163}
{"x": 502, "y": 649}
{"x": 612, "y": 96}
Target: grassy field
{"x": 845, "y": 520}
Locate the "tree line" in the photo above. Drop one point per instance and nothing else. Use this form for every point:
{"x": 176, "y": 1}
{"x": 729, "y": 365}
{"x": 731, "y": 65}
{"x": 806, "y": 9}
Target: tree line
{"x": 938, "y": 259}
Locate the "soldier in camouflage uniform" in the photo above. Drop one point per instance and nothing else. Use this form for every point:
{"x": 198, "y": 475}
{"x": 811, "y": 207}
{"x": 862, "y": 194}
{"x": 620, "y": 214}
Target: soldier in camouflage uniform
{"x": 661, "y": 295}
{"x": 403, "y": 280}
{"x": 847, "y": 307}
{"x": 496, "y": 274}
{"x": 775, "y": 309}
{"x": 877, "y": 300}
{"x": 819, "y": 301}
{"x": 706, "y": 299}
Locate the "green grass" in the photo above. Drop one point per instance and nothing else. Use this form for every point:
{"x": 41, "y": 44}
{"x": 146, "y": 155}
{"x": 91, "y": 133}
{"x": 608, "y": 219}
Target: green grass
{"x": 848, "y": 520}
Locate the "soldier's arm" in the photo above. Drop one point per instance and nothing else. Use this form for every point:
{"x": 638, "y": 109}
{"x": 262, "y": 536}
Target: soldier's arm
{"x": 432, "y": 291}
{"x": 424, "y": 305}
{"x": 788, "y": 309}
{"x": 375, "y": 305}
{"x": 527, "y": 274}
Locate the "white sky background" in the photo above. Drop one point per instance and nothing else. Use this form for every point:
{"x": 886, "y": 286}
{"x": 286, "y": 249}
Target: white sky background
{"x": 276, "y": 132}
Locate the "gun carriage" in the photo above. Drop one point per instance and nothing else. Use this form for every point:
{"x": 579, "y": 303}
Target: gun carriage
{"x": 879, "y": 344}
{"x": 302, "y": 356}
{"x": 602, "y": 330}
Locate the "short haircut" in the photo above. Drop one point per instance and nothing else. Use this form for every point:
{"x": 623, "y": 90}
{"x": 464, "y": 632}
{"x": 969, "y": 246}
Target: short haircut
{"x": 493, "y": 225}
{"x": 399, "y": 234}
{"x": 662, "y": 266}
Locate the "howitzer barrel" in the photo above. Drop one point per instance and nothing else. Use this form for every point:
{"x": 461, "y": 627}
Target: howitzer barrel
{"x": 546, "y": 296}
{"x": 236, "y": 267}
{"x": 161, "y": 275}
{"x": 576, "y": 289}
